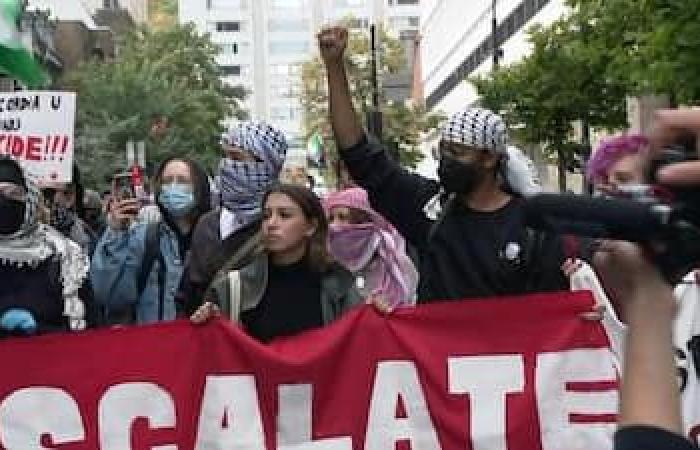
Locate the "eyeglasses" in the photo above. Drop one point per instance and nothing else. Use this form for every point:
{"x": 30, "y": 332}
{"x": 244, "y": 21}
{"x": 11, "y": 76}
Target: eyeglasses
{"x": 13, "y": 191}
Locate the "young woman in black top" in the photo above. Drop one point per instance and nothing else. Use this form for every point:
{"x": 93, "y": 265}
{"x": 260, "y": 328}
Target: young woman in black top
{"x": 288, "y": 284}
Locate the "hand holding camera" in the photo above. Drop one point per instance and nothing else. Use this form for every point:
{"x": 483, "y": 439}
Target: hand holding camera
{"x": 664, "y": 218}
{"x": 125, "y": 206}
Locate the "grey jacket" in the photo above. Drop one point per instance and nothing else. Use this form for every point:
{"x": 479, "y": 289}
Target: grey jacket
{"x": 243, "y": 289}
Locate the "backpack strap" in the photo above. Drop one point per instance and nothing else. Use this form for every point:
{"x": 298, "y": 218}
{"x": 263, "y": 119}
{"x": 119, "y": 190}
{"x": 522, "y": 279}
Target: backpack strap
{"x": 150, "y": 254}
{"x": 251, "y": 245}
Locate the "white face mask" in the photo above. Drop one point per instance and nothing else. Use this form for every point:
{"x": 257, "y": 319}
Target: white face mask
{"x": 634, "y": 189}
{"x": 631, "y": 191}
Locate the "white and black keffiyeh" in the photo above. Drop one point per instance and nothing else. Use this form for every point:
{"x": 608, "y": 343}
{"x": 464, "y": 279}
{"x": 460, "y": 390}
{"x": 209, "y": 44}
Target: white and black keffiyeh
{"x": 34, "y": 243}
{"x": 244, "y": 183}
{"x": 486, "y": 130}
{"x": 476, "y": 127}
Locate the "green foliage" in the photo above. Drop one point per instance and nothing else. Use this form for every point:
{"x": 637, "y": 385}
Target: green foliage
{"x": 162, "y": 13}
{"x": 584, "y": 65}
{"x": 652, "y": 44}
{"x": 402, "y": 123}
{"x": 169, "y": 76}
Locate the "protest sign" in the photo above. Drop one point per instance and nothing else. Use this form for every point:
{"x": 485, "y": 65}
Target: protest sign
{"x": 498, "y": 374}
{"x": 36, "y": 128}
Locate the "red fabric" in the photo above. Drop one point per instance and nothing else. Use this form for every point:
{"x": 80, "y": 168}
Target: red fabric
{"x": 339, "y": 361}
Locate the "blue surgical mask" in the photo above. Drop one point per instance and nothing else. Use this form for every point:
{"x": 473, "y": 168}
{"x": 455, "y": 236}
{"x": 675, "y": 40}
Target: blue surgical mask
{"x": 177, "y": 199}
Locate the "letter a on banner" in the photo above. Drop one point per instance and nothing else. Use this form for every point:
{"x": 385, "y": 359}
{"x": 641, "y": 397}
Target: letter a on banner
{"x": 396, "y": 381}
{"x": 230, "y": 417}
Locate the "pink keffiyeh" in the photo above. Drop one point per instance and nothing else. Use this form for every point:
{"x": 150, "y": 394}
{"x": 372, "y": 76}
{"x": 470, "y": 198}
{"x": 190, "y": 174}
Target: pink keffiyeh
{"x": 374, "y": 249}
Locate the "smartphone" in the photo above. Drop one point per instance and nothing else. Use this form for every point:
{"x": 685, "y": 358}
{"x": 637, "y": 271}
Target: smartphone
{"x": 122, "y": 186}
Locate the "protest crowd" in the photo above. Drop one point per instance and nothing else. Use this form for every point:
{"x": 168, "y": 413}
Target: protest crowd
{"x": 247, "y": 246}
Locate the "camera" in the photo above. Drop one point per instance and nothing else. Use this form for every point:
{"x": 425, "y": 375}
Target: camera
{"x": 665, "y": 220}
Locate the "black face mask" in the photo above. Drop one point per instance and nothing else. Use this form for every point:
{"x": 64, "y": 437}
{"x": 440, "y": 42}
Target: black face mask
{"x": 458, "y": 177}
{"x": 11, "y": 215}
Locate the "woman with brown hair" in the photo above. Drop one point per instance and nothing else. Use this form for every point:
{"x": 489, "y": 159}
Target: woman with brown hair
{"x": 289, "y": 284}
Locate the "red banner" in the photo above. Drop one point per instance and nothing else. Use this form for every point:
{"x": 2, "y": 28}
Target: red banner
{"x": 498, "y": 374}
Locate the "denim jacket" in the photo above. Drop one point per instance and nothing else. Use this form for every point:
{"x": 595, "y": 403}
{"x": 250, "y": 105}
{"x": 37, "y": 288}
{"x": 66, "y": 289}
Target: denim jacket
{"x": 116, "y": 267}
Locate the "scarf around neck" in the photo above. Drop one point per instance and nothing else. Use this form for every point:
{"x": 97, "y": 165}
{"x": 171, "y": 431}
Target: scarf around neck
{"x": 35, "y": 243}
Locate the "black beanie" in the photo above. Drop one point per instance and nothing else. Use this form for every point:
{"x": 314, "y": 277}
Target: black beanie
{"x": 11, "y": 172}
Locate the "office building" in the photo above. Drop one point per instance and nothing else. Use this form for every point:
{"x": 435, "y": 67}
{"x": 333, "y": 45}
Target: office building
{"x": 263, "y": 43}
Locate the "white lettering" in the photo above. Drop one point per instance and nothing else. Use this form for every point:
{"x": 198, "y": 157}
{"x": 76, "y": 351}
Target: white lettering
{"x": 398, "y": 380}
{"x": 28, "y": 414}
{"x": 124, "y": 403}
{"x": 294, "y": 422}
{"x": 487, "y": 380}
{"x": 230, "y": 417}
{"x": 556, "y": 402}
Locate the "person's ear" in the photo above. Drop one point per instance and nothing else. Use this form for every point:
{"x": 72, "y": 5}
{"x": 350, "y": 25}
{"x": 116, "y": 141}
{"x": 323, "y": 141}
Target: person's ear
{"x": 313, "y": 226}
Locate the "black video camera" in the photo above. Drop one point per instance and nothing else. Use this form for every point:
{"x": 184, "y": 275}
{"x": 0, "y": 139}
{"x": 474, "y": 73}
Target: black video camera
{"x": 665, "y": 220}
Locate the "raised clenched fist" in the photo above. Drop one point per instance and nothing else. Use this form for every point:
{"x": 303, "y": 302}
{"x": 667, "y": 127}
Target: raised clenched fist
{"x": 332, "y": 43}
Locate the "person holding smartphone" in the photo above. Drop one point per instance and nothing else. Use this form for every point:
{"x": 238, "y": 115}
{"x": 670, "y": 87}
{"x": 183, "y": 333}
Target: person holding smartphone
{"x": 137, "y": 265}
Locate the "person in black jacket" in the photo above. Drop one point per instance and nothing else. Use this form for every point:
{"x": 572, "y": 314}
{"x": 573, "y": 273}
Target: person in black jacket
{"x": 469, "y": 227}
{"x": 43, "y": 274}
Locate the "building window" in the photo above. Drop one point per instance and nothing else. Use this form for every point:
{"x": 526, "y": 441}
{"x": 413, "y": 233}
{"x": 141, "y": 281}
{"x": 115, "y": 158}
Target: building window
{"x": 228, "y": 27}
{"x": 229, "y": 48}
{"x": 285, "y": 70}
{"x": 287, "y": 90}
{"x": 289, "y": 25}
{"x": 228, "y": 71}
{"x": 350, "y": 3}
{"x": 286, "y": 4}
{"x": 403, "y": 2}
{"x": 414, "y": 21}
{"x": 226, "y": 4}
{"x": 292, "y": 47}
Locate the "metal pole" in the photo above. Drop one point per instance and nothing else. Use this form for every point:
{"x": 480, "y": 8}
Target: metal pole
{"x": 494, "y": 35}
{"x": 374, "y": 116}
{"x": 375, "y": 81}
